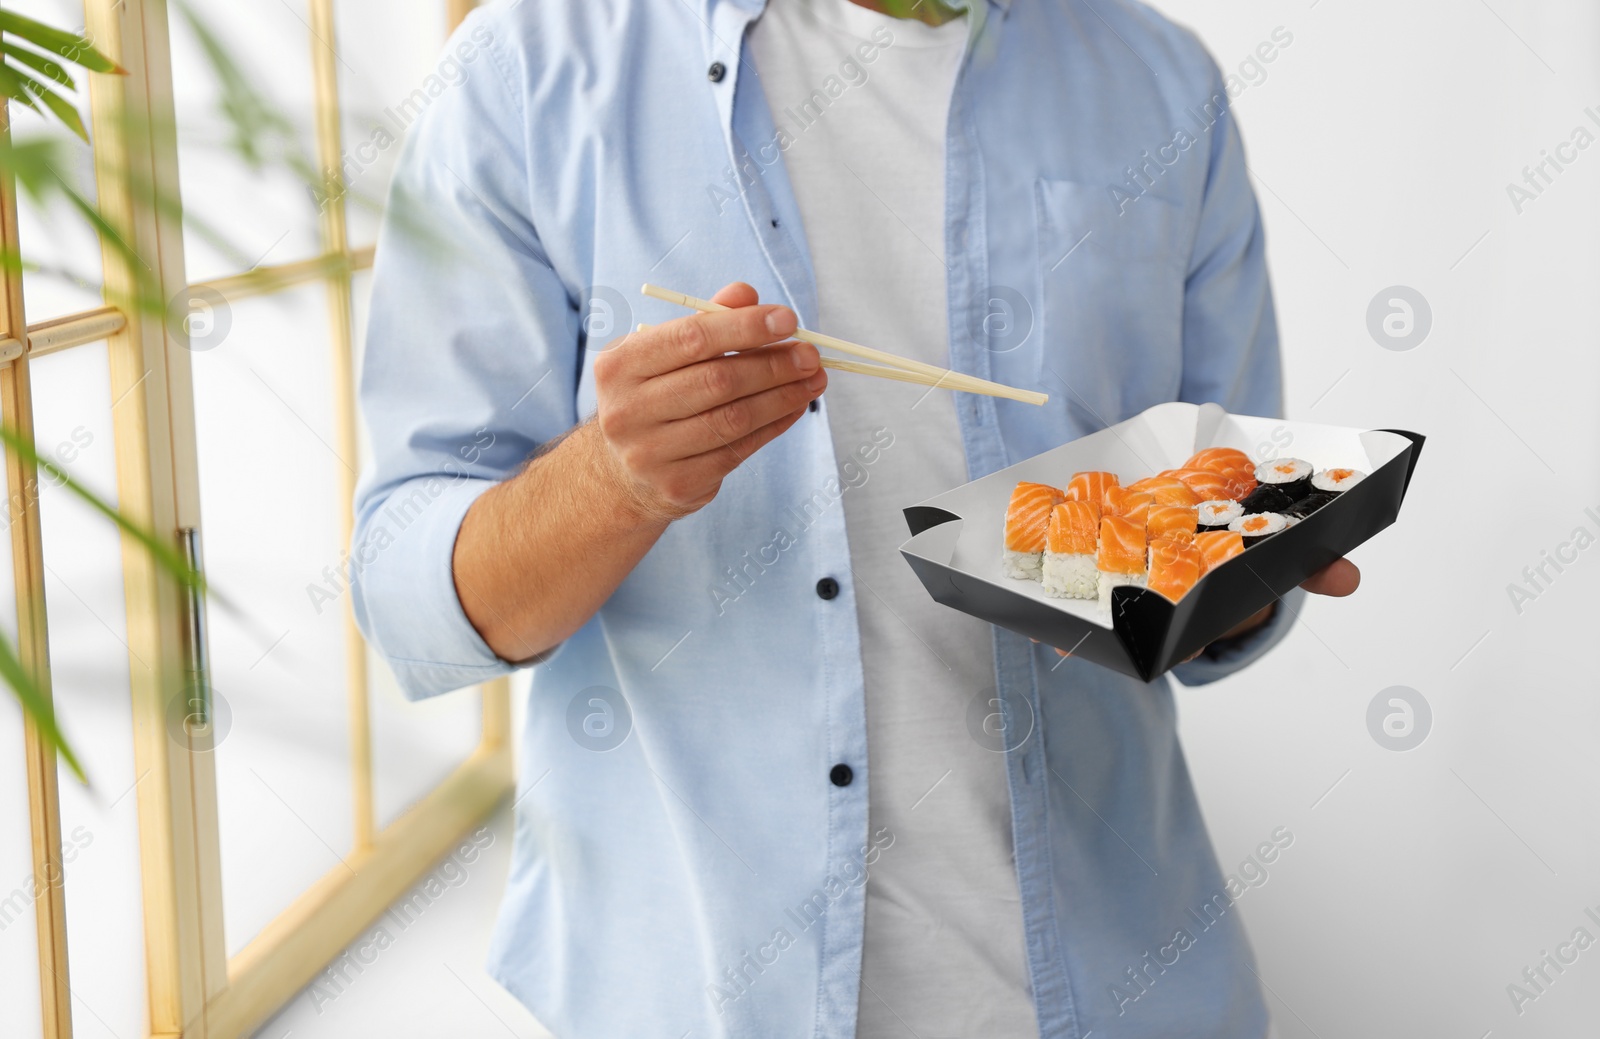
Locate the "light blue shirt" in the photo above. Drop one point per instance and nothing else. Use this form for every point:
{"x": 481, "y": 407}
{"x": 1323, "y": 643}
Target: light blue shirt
{"x": 703, "y": 875}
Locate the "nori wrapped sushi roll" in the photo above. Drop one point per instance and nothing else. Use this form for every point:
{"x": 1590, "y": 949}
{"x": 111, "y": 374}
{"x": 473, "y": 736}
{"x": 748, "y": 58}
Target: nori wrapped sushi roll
{"x": 1258, "y": 527}
{"x": 1309, "y": 504}
{"x": 1266, "y": 498}
{"x": 1292, "y": 476}
{"x": 1216, "y": 514}
{"x": 1336, "y": 481}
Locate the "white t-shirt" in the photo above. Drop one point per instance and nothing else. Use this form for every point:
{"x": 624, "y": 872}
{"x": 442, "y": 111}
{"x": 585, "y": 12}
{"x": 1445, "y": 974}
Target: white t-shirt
{"x": 944, "y": 950}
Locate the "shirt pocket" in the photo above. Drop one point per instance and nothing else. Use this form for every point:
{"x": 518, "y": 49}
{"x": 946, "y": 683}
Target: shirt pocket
{"x": 1112, "y": 272}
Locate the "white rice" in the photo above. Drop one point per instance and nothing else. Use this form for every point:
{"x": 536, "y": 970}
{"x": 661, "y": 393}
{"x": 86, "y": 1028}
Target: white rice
{"x": 1218, "y": 513}
{"x": 1109, "y": 581}
{"x": 1275, "y": 523}
{"x": 1270, "y": 472}
{"x": 1323, "y": 481}
{"x": 1024, "y": 566}
{"x": 1070, "y": 575}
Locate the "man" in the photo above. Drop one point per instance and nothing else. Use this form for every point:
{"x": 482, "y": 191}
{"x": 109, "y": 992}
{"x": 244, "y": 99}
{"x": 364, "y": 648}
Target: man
{"x": 762, "y": 795}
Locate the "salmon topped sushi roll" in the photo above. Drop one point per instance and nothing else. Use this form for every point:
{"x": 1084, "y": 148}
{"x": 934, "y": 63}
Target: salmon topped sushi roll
{"x": 1219, "y": 458}
{"x": 1240, "y": 482}
{"x": 1069, "y": 551}
{"x": 1163, "y": 520}
{"x": 1125, "y": 501}
{"x": 1091, "y": 486}
{"x": 1027, "y": 520}
{"x": 1121, "y": 559}
{"x": 1218, "y": 546}
{"x": 1174, "y": 568}
{"x": 1166, "y": 490}
{"x": 1206, "y": 484}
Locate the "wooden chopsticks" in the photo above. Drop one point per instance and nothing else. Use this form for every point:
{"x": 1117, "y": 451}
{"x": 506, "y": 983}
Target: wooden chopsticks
{"x": 901, "y": 369}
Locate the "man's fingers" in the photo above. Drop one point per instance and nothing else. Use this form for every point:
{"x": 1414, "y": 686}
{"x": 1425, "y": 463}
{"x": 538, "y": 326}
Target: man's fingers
{"x": 700, "y": 337}
{"x": 736, "y": 294}
{"x": 728, "y": 423}
{"x": 726, "y": 457}
{"x": 1339, "y": 578}
{"x": 701, "y": 387}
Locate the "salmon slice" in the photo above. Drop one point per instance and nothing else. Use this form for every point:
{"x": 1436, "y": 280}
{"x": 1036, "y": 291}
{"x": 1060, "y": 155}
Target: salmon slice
{"x": 1028, "y": 516}
{"x": 1243, "y": 481}
{"x": 1090, "y": 486}
{"x": 1218, "y": 458}
{"x": 1166, "y": 490}
{"x": 1218, "y": 546}
{"x": 1122, "y": 546}
{"x": 1073, "y": 527}
{"x": 1206, "y": 484}
{"x": 1165, "y": 519}
{"x": 1122, "y": 501}
{"x": 1174, "y": 567}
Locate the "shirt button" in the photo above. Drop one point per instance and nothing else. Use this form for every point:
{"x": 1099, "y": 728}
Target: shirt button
{"x": 841, "y": 775}
{"x": 716, "y": 72}
{"x": 827, "y": 588}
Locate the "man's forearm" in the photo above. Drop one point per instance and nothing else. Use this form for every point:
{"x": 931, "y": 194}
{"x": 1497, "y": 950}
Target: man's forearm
{"x": 537, "y": 555}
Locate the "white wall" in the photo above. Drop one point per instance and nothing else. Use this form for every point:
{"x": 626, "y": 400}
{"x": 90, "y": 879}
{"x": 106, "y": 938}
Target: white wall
{"x": 1423, "y": 884}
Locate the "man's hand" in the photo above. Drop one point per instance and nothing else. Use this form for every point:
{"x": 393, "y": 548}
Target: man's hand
{"x": 539, "y": 553}
{"x": 679, "y": 409}
{"x": 1339, "y": 578}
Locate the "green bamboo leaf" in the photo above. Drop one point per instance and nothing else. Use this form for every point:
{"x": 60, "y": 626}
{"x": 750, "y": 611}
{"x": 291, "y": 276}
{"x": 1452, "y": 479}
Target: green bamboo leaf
{"x": 35, "y": 60}
{"x": 64, "y": 111}
{"x": 37, "y": 706}
{"x": 14, "y": 85}
{"x": 32, "y": 162}
{"x": 76, "y": 49}
{"x": 164, "y": 554}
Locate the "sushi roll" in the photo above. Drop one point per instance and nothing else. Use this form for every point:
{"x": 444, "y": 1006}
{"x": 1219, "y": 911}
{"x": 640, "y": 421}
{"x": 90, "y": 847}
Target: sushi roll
{"x": 1091, "y": 486}
{"x": 1337, "y": 481}
{"x": 1307, "y": 505}
{"x": 1166, "y": 490}
{"x": 1216, "y": 514}
{"x": 1206, "y": 484}
{"x": 1129, "y": 503}
{"x": 1292, "y": 476}
{"x": 1069, "y": 551}
{"x": 1258, "y": 527}
{"x": 1174, "y": 568}
{"x": 1175, "y": 520}
{"x": 1240, "y": 482}
{"x": 1219, "y": 458}
{"x": 1265, "y": 498}
{"x": 1218, "y": 546}
{"x": 1232, "y": 465}
{"x": 1027, "y": 520}
{"x": 1121, "y": 558}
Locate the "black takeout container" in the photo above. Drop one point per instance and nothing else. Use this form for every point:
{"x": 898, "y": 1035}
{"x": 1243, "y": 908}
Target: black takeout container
{"x": 957, "y": 536}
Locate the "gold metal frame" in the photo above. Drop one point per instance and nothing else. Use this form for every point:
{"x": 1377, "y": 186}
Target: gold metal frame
{"x": 195, "y": 990}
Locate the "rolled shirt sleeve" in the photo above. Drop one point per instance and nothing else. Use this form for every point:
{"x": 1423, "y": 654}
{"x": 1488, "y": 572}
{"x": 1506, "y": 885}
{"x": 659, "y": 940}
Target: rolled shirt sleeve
{"x": 470, "y": 363}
